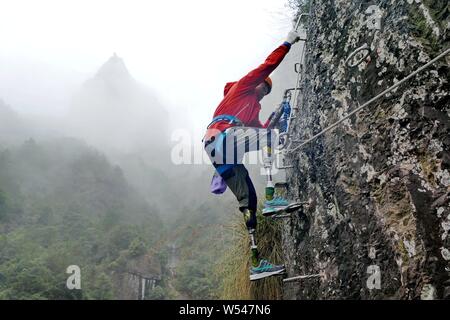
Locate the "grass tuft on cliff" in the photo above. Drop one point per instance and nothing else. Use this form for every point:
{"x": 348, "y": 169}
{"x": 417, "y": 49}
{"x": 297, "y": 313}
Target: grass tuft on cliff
{"x": 233, "y": 269}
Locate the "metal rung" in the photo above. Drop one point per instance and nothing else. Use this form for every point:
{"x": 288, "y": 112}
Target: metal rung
{"x": 285, "y": 167}
{"x": 292, "y": 208}
{"x": 281, "y": 216}
{"x": 289, "y": 210}
{"x": 302, "y": 277}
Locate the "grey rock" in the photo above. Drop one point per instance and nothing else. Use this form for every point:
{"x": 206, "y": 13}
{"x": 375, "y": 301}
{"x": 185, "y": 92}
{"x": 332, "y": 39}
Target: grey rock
{"x": 378, "y": 179}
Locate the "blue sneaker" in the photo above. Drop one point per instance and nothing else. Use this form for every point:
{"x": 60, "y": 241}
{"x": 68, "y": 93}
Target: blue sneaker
{"x": 277, "y": 205}
{"x": 265, "y": 269}
{"x": 269, "y": 211}
{"x": 280, "y": 205}
{"x": 277, "y": 202}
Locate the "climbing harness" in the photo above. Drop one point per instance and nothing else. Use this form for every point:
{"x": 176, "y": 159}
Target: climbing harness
{"x": 226, "y": 117}
{"x": 218, "y": 185}
{"x": 380, "y": 95}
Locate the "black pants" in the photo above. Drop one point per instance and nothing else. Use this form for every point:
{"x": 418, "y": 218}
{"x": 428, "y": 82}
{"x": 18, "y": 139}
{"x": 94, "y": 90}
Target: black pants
{"x": 239, "y": 182}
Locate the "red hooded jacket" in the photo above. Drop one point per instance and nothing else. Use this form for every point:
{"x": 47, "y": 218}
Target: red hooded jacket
{"x": 240, "y": 98}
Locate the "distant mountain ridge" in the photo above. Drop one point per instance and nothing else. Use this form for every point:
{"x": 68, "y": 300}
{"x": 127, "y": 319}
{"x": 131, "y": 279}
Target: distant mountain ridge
{"x": 12, "y": 128}
{"x": 112, "y": 110}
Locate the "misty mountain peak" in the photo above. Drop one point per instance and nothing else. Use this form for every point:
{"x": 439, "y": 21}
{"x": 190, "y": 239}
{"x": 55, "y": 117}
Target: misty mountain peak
{"x": 112, "y": 110}
{"x": 113, "y": 68}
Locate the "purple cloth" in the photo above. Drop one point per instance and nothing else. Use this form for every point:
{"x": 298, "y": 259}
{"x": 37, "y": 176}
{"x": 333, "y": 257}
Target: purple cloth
{"x": 218, "y": 185}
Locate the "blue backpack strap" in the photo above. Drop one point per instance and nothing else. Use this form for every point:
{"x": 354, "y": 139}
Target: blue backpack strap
{"x": 226, "y": 117}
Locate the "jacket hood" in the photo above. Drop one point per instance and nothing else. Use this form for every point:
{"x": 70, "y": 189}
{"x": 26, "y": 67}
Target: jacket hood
{"x": 228, "y": 87}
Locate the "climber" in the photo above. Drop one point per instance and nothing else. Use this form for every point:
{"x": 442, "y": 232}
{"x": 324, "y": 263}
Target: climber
{"x": 240, "y": 107}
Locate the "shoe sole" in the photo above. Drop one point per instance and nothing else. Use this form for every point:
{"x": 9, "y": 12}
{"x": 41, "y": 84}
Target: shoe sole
{"x": 263, "y": 275}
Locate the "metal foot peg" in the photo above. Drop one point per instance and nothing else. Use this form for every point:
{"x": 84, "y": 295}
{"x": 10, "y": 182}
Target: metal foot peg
{"x": 285, "y": 167}
{"x": 281, "y": 216}
{"x": 307, "y": 276}
{"x": 290, "y": 210}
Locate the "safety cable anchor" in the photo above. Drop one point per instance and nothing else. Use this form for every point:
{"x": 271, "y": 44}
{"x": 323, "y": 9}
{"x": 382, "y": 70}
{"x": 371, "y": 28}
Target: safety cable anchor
{"x": 364, "y": 47}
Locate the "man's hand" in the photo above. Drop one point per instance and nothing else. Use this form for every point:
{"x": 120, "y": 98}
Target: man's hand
{"x": 275, "y": 117}
{"x": 293, "y": 37}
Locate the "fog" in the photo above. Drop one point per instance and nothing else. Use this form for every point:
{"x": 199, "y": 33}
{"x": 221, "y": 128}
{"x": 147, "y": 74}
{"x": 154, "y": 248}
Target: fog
{"x": 124, "y": 76}
{"x": 90, "y": 96}
{"x": 184, "y": 51}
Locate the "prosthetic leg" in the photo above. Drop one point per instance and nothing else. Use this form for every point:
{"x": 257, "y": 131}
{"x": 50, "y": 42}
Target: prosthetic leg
{"x": 261, "y": 268}
{"x": 246, "y": 140}
{"x": 253, "y": 248}
{"x": 250, "y": 223}
{"x": 270, "y": 189}
{"x": 276, "y": 205}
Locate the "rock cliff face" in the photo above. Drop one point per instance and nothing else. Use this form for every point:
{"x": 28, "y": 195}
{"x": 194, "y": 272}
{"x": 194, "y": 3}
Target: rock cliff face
{"x": 378, "y": 185}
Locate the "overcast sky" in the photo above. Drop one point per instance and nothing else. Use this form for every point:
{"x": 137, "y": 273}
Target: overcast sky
{"x": 184, "y": 50}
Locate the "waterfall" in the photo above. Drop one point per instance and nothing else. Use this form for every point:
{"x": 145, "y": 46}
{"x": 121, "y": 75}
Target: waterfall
{"x": 143, "y": 281}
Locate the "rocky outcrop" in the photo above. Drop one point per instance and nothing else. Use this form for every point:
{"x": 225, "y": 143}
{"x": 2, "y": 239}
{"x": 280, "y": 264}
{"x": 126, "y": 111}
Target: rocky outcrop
{"x": 378, "y": 185}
